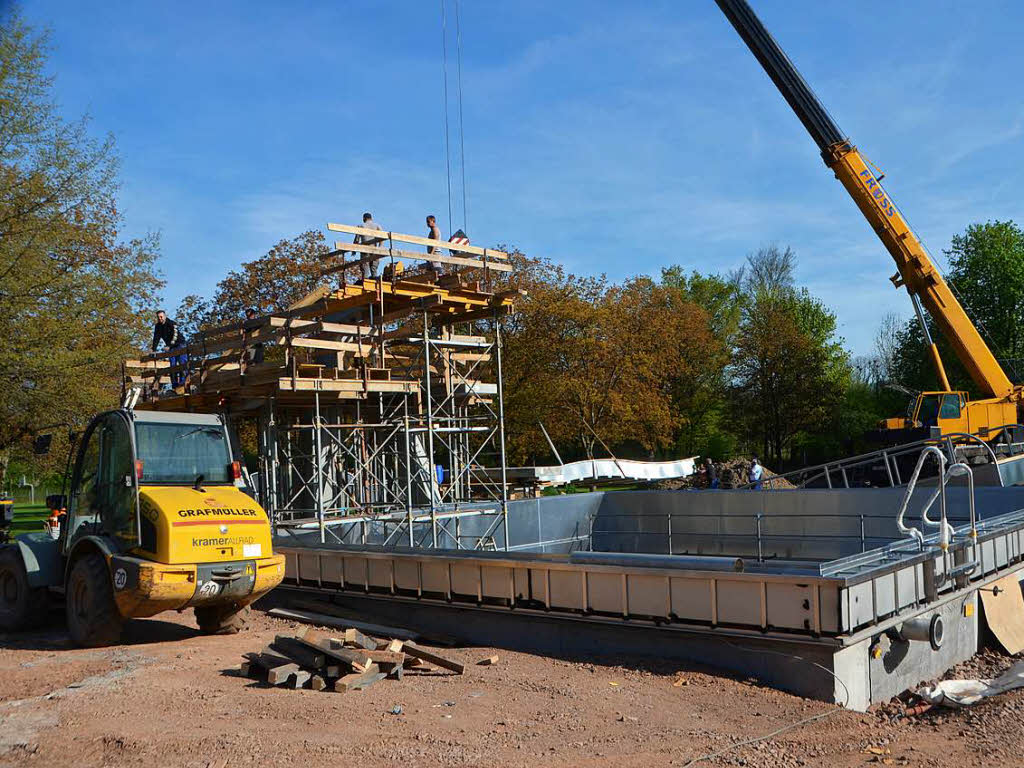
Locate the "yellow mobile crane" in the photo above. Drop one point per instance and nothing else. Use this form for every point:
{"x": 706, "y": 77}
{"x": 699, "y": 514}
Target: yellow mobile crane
{"x": 932, "y": 413}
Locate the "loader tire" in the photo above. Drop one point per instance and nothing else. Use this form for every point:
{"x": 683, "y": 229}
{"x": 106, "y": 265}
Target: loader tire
{"x": 92, "y": 615}
{"x": 229, "y": 619}
{"x": 21, "y": 605}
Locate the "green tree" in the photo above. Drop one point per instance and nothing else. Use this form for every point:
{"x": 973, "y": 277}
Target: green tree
{"x": 987, "y": 272}
{"x": 289, "y": 271}
{"x": 789, "y": 371}
{"x": 987, "y": 275}
{"x": 72, "y": 292}
{"x": 583, "y": 351}
{"x": 699, "y": 393}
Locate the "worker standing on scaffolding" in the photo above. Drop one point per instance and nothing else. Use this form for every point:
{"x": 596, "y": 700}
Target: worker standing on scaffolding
{"x": 166, "y": 331}
{"x": 434, "y": 233}
{"x": 254, "y": 352}
{"x": 368, "y": 269}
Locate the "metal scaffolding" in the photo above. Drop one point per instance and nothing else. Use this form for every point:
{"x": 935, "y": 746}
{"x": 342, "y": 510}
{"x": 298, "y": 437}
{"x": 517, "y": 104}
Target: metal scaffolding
{"x": 378, "y": 404}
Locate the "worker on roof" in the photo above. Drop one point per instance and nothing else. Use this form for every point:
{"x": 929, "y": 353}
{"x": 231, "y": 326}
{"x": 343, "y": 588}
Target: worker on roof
{"x": 434, "y": 233}
{"x": 368, "y": 269}
{"x": 166, "y": 331}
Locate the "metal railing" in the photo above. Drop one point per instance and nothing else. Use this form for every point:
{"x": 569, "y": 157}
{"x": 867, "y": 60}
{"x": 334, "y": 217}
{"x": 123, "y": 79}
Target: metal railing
{"x": 836, "y": 474}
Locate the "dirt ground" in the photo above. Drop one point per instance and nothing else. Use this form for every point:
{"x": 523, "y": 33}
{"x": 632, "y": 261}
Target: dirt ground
{"x": 171, "y": 697}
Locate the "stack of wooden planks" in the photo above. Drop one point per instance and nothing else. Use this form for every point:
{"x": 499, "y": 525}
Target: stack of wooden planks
{"x": 347, "y": 661}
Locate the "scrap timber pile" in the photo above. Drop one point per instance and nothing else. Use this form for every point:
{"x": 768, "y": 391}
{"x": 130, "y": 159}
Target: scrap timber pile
{"x": 343, "y": 341}
{"x": 349, "y": 661}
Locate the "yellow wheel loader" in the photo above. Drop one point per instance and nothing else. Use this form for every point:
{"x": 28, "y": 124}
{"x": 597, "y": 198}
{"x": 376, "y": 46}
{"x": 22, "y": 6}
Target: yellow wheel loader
{"x": 153, "y": 521}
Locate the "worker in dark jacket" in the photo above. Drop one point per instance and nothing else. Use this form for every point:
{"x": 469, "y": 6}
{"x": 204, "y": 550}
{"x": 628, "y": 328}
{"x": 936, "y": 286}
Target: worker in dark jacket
{"x": 166, "y": 331}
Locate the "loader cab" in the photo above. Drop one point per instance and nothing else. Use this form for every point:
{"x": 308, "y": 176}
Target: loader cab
{"x": 121, "y": 450}
{"x": 103, "y": 498}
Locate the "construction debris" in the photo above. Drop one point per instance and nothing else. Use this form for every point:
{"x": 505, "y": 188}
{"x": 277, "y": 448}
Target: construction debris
{"x": 349, "y": 662}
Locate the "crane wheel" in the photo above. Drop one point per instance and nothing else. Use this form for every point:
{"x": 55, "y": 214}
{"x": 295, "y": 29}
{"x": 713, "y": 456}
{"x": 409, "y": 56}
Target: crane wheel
{"x": 229, "y": 619}
{"x": 92, "y": 615}
{"x": 21, "y": 605}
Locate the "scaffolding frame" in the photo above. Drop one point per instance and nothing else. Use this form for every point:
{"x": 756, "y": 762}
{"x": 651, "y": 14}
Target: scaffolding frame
{"x": 377, "y": 413}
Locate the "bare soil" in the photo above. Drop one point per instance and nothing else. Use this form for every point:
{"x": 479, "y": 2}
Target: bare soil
{"x": 171, "y": 697}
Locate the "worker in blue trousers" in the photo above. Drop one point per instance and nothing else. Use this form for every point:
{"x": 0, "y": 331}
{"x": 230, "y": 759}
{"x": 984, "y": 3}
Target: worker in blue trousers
{"x": 166, "y": 331}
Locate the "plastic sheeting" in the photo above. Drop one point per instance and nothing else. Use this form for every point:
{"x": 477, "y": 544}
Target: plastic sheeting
{"x": 602, "y": 469}
{"x": 964, "y": 693}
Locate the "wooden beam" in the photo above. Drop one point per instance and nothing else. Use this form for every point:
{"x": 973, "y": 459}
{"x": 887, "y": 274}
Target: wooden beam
{"x": 432, "y": 658}
{"x": 415, "y": 239}
{"x": 395, "y": 253}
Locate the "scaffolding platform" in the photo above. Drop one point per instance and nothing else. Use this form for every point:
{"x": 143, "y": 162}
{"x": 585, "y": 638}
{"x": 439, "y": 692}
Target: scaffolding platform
{"x": 379, "y": 397}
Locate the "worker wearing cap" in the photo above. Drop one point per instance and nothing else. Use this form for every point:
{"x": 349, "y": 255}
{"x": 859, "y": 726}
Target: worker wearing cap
{"x": 166, "y": 331}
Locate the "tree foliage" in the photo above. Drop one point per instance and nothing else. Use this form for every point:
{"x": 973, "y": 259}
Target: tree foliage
{"x": 987, "y": 274}
{"x": 286, "y": 273}
{"x": 72, "y": 292}
{"x": 585, "y": 354}
{"x": 789, "y": 371}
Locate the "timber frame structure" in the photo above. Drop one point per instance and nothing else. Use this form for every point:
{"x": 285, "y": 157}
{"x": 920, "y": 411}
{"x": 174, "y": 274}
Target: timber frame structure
{"x": 378, "y": 405}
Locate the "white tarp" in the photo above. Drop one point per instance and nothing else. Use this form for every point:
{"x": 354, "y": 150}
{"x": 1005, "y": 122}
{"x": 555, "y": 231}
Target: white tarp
{"x": 602, "y": 469}
{"x": 964, "y": 693}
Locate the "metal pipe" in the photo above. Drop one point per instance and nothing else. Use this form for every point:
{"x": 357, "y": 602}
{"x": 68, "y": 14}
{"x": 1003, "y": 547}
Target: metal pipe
{"x": 501, "y": 429}
{"x": 319, "y": 467}
{"x": 551, "y": 444}
{"x": 931, "y": 450}
{"x": 431, "y": 472}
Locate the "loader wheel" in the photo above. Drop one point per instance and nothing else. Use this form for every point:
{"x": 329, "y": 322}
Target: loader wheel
{"x": 21, "y": 606}
{"x": 229, "y": 619}
{"x": 93, "y": 618}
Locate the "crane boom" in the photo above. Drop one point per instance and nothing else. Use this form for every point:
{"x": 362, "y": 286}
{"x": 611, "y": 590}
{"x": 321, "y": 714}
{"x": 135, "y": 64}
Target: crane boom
{"x": 916, "y": 270}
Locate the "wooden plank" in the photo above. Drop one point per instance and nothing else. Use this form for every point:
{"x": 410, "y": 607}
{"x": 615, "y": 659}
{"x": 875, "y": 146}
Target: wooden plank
{"x": 357, "y": 639}
{"x": 398, "y": 254}
{"x": 317, "y": 683}
{"x": 415, "y": 239}
{"x": 314, "y": 640}
{"x": 359, "y": 681}
{"x": 429, "y": 656}
{"x": 488, "y": 661}
{"x": 269, "y": 658}
{"x": 337, "y": 346}
{"x": 280, "y": 675}
{"x": 335, "y": 620}
{"x": 299, "y": 652}
{"x": 346, "y": 385}
{"x": 299, "y": 679}
{"x": 386, "y": 657}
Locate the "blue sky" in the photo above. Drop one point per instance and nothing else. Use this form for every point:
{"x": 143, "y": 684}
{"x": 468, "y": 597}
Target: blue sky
{"x": 609, "y": 136}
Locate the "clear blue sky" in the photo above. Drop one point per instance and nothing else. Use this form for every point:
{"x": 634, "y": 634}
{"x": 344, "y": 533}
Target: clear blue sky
{"x": 604, "y": 136}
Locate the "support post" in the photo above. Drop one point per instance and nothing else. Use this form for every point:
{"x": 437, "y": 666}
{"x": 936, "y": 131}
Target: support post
{"x": 431, "y": 472}
{"x": 501, "y": 429}
{"x": 319, "y": 465}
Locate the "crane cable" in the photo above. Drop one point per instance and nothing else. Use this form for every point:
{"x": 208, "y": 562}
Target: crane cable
{"x": 444, "y": 71}
{"x": 462, "y": 131}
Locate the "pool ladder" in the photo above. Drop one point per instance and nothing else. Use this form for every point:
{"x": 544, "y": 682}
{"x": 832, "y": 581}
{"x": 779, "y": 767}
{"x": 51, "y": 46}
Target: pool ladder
{"x": 946, "y": 531}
